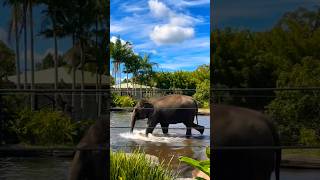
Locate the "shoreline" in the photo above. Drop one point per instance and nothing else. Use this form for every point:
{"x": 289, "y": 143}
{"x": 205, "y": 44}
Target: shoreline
{"x": 201, "y": 111}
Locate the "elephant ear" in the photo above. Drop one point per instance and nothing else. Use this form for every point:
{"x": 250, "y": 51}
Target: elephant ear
{"x": 148, "y": 106}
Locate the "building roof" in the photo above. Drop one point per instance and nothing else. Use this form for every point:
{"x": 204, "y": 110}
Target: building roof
{"x": 46, "y": 76}
{"x": 130, "y": 86}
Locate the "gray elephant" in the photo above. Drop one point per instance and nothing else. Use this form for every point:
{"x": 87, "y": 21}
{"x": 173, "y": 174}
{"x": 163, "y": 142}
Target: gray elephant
{"x": 91, "y": 164}
{"x": 167, "y": 110}
{"x": 235, "y": 126}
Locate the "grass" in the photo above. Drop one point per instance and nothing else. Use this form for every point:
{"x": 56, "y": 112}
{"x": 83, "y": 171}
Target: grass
{"x": 137, "y": 166}
{"x": 309, "y": 153}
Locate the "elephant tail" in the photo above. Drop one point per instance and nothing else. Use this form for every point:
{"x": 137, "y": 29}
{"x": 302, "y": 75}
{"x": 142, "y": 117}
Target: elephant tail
{"x": 196, "y": 104}
{"x": 278, "y": 158}
{"x": 277, "y": 152}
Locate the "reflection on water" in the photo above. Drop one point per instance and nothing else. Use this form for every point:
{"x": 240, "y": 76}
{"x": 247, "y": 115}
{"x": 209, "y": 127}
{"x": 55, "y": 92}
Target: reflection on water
{"x": 166, "y": 147}
{"x": 34, "y": 168}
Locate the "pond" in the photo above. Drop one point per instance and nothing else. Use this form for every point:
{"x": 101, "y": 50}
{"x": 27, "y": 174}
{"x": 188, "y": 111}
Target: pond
{"x": 166, "y": 147}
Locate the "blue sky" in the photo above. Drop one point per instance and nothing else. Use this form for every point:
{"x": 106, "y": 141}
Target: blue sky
{"x": 256, "y": 15}
{"x": 176, "y": 33}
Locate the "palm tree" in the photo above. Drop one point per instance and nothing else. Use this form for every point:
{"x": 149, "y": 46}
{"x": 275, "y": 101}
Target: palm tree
{"x": 15, "y": 22}
{"x": 130, "y": 64}
{"x": 25, "y": 8}
{"x": 145, "y": 69}
{"x": 30, "y": 4}
{"x": 119, "y": 52}
{"x": 51, "y": 14}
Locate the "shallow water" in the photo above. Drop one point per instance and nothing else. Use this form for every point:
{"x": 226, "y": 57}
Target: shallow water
{"x": 166, "y": 147}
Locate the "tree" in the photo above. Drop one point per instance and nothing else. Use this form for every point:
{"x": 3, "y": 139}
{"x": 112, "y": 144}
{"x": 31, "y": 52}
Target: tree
{"x": 295, "y": 110}
{"x": 7, "y": 64}
{"x": 119, "y": 52}
{"x": 15, "y": 24}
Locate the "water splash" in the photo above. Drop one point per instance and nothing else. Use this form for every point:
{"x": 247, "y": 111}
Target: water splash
{"x": 139, "y": 135}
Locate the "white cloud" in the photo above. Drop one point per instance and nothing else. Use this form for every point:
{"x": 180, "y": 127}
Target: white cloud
{"x": 114, "y": 39}
{"x": 178, "y": 27}
{"x": 182, "y": 3}
{"x": 116, "y": 28}
{"x": 158, "y": 9}
{"x": 132, "y": 8}
{"x": 170, "y": 34}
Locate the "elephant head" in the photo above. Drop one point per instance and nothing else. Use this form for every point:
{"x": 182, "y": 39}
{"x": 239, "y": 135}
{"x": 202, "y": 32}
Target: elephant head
{"x": 142, "y": 110}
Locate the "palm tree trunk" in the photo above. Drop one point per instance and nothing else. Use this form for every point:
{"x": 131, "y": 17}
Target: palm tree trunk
{"x": 73, "y": 97}
{"x": 55, "y": 64}
{"x": 17, "y": 46}
{"x": 82, "y": 76}
{"x": 33, "y": 105}
{"x": 120, "y": 89}
{"x": 97, "y": 64}
{"x": 127, "y": 85}
{"x": 25, "y": 44}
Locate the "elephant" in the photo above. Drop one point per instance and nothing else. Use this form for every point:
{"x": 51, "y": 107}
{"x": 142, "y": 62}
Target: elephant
{"x": 170, "y": 109}
{"x": 91, "y": 164}
{"x": 236, "y": 126}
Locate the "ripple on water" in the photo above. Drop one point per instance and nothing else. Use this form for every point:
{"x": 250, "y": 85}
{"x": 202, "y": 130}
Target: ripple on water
{"x": 139, "y": 135}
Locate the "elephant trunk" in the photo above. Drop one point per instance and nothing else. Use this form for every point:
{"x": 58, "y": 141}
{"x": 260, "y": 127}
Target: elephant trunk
{"x": 133, "y": 120}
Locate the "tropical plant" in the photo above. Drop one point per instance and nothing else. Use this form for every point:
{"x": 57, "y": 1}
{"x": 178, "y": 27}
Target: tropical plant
{"x": 44, "y": 127}
{"x": 203, "y": 166}
{"x": 137, "y": 166}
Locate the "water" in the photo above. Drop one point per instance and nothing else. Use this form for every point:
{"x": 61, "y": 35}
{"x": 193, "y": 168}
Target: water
{"x": 53, "y": 168}
{"x": 34, "y": 168}
{"x": 166, "y": 147}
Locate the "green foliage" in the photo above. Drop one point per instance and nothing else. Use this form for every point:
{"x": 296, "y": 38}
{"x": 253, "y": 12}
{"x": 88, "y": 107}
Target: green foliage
{"x": 122, "y": 101}
{"x": 7, "y": 63}
{"x": 202, "y": 94}
{"x": 296, "y": 110}
{"x": 137, "y": 166}
{"x": 43, "y": 127}
{"x": 309, "y": 137}
{"x": 48, "y": 62}
{"x": 203, "y": 166}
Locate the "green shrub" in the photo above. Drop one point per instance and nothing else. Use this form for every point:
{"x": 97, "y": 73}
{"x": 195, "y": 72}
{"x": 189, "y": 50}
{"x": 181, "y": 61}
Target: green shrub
{"x": 122, "y": 101}
{"x": 202, "y": 94}
{"x": 308, "y": 137}
{"x": 44, "y": 127}
{"x": 138, "y": 167}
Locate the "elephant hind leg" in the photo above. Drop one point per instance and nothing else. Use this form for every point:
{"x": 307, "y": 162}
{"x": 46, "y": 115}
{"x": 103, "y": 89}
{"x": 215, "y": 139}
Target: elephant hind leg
{"x": 189, "y": 127}
{"x": 198, "y": 128}
{"x": 165, "y": 128}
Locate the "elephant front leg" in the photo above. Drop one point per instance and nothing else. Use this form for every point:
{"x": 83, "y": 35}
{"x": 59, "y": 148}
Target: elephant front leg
{"x": 151, "y": 125}
{"x": 165, "y": 128}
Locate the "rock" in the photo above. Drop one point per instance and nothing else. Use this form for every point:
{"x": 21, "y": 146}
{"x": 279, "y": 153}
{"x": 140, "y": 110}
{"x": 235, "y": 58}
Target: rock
{"x": 197, "y": 173}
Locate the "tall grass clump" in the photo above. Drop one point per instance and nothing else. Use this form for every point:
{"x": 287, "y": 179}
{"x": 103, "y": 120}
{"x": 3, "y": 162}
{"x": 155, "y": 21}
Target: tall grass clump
{"x": 137, "y": 166}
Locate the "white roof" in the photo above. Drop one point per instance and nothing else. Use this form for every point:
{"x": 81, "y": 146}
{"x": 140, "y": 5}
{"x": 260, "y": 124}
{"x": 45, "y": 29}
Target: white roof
{"x": 130, "y": 85}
